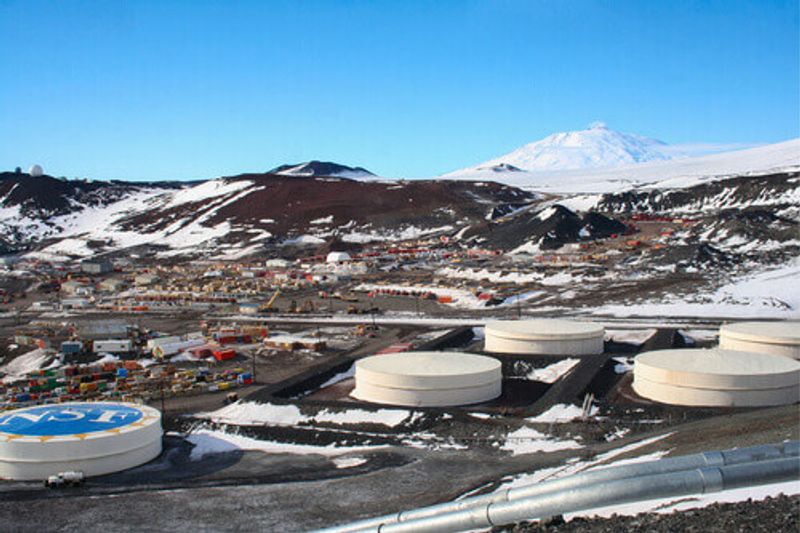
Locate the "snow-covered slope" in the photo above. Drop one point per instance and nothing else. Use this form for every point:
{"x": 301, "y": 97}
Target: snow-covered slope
{"x": 231, "y": 217}
{"x": 675, "y": 173}
{"x": 597, "y": 146}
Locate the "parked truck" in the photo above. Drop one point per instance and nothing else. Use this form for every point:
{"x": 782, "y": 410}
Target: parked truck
{"x": 65, "y": 479}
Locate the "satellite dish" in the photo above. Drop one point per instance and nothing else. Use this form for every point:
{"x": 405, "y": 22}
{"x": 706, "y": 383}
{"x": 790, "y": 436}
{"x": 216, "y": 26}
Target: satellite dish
{"x": 36, "y": 171}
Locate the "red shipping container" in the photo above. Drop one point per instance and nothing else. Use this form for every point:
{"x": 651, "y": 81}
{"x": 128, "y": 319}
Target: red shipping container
{"x": 224, "y": 355}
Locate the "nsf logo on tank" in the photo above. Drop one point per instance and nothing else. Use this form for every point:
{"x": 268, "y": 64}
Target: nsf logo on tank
{"x": 69, "y": 419}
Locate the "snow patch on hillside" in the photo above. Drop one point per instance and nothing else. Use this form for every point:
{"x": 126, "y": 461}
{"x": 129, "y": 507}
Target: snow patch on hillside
{"x": 106, "y": 223}
{"x": 772, "y": 293}
{"x": 206, "y": 190}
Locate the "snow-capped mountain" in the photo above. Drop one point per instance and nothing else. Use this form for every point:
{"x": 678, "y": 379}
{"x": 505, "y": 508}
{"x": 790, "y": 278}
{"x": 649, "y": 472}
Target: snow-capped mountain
{"x": 322, "y": 169}
{"x": 677, "y": 172}
{"x": 595, "y": 147}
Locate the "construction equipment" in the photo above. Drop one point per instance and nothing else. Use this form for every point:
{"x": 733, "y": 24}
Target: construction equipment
{"x": 366, "y": 330}
{"x": 307, "y": 307}
{"x": 268, "y": 307}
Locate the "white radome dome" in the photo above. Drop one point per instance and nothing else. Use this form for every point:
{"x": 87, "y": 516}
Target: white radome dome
{"x": 338, "y": 257}
{"x": 36, "y": 171}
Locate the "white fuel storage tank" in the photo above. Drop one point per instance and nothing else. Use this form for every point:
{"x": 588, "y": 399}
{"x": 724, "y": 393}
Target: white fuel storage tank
{"x": 94, "y": 438}
{"x": 778, "y": 338}
{"x": 544, "y": 337}
{"x": 716, "y": 378}
{"x": 428, "y": 379}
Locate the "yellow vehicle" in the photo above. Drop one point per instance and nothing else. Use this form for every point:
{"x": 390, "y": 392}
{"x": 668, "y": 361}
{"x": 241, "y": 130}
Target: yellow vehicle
{"x": 366, "y": 330}
{"x": 269, "y": 306}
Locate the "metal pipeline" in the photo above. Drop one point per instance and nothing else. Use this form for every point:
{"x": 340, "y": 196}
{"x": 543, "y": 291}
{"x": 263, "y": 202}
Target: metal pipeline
{"x": 617, "y": 492}
{"x": 707, "y": 461}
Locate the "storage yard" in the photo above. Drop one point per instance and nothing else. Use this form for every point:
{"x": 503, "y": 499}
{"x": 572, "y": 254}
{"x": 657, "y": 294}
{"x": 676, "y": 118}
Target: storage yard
{"x": 362, "y": 373}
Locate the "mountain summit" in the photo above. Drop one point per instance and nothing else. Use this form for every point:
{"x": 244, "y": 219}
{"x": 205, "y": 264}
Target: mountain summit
{"x": 322, "y": 169}
{"x": 595, "y": 147}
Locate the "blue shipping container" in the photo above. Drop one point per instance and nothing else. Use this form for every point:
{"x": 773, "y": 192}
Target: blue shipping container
{"x": 71, "y": 347}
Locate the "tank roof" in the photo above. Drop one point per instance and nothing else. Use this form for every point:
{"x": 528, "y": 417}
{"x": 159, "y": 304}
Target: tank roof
{"x": 430, "y": 364}
{"x": 786, "y": 332}
{"x": 544, "y": 329}
{"x": 77, "y": 420}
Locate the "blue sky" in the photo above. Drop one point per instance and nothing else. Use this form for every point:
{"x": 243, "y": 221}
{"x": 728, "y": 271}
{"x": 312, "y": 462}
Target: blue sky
{"x": 186, "y": 90}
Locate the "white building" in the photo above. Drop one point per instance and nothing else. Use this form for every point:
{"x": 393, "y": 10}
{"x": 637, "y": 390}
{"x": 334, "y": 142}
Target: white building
{"x": 146, "y": 279}
{"x": 338, "y": 257}
{"x": 278, "y": 263}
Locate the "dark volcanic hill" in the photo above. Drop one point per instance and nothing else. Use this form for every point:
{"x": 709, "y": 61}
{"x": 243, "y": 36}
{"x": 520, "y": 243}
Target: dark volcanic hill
{"x": 321, "y": 169}
{"x": 245, "y": 211}
{"x": 46, "y": 196}
{"x": 549, "y": 229}
{"x": 290, "y": 206}
{"x": 776, "y": 190}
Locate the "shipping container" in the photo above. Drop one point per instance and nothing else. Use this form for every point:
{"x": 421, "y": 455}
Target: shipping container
{"x": 112, "y": 346}
{"x": 223, "y": 355}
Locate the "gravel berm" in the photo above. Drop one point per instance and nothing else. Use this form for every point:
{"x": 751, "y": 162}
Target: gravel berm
{"x": 781, "y": 513}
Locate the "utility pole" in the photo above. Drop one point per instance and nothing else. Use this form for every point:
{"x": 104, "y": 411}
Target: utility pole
{"x": 254, "y": 365}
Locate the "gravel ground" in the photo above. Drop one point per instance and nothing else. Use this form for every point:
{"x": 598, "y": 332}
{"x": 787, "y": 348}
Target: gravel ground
{"x": 772, "y": 514}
